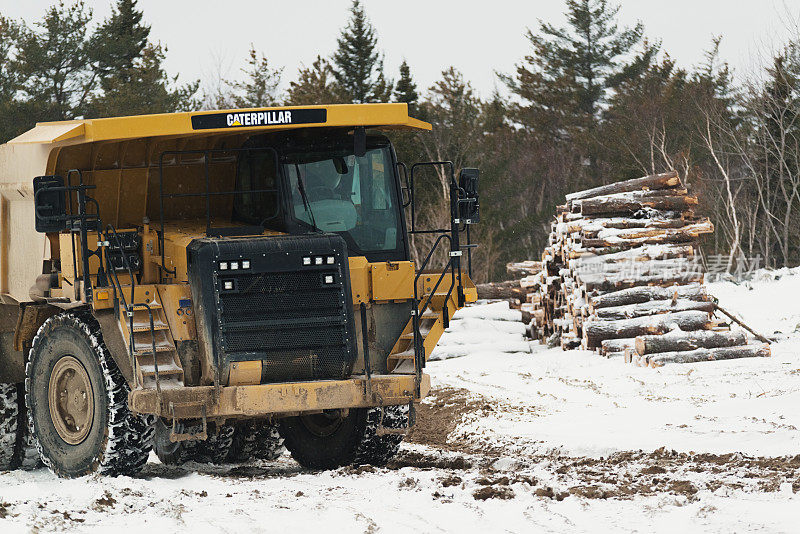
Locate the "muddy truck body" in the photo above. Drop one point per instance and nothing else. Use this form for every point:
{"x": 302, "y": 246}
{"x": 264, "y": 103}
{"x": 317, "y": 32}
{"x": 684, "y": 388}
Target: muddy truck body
{"x": 218, "y": 285}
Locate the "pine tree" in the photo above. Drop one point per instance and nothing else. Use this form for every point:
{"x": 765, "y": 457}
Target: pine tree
{"x": 15, "y": 117}
{"x": 571, "y": 72}
{"x": 54, "y": 62}
{"x": 120, "y": 40}
{"x": 406, "y": 89}
{"x": 132, "y": 78}
{"x": 261, "y": 85}
{"x": 357, "y": 61}
{"x": 564, "y": 85}
{"x": 316, "y": 85}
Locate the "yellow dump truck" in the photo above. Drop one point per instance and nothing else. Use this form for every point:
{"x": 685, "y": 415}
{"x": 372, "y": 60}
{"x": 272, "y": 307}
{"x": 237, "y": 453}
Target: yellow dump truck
{"x": 219, "y": 285}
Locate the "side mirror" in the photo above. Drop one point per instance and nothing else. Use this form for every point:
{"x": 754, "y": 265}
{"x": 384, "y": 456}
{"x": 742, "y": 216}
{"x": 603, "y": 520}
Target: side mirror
{"x": 468, "y": 205}
{"x": 50, "y": 203}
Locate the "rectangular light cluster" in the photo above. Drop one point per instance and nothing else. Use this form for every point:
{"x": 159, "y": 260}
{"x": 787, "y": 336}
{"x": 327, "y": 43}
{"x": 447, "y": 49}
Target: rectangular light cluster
{"x": 234, "y": 265}
{"x": 319, "y": 260}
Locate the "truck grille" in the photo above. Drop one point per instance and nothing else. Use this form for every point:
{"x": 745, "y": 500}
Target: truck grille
{"x": 295, "y": 317}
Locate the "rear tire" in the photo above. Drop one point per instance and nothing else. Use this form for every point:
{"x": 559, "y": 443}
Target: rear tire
{"x": 325, "y": 441}
{"x": 215, "y": 449}
{"x": 255, "y": 440}
{"x": 77, "y": 402}
{"x": 9, "y": 425}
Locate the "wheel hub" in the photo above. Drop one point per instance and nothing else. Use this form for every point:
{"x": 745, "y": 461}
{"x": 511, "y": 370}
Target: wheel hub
{"x": 71, "y": 400}
{"x": 323, "y": 424}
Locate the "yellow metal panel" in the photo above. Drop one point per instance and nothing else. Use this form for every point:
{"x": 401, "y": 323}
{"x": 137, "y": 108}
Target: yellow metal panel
{"x": 359, "y": 279}
{"x": 245, "y": 373}
{"x": 51, "y": 132}
{"x": 393, "y": 116}
{"x": 293, "y": 397}
{"x": 392, "y": 280}
{"x": 181, "y": 320}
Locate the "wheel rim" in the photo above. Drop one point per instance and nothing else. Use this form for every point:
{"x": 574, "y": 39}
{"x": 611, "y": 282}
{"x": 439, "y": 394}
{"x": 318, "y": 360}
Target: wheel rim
{"x": 71, "y": 400}
{"x": 322, "y": 424}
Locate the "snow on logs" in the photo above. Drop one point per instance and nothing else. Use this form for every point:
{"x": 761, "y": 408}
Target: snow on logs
{"x": 619, "y": 275}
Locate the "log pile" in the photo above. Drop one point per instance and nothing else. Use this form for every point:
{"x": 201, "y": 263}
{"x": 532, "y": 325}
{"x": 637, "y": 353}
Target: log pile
{"x": 620, "y": 276}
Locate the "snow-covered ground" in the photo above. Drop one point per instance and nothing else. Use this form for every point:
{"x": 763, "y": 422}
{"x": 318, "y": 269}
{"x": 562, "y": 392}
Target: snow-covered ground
{"x": 515, "y": 438}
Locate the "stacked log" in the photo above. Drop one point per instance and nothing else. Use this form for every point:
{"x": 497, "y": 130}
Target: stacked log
{"x": 620, "y": 276}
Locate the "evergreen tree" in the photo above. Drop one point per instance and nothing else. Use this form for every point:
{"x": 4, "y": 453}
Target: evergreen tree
{"x": 261, "y": 85}
{"x": 54, "y": 62}
{"x": 132, "y": 78}
{"x": 357, "y": 61}
{"x": 567, "y": 80}
{"x": 15, "y": 119}
{"x": 120, "y": 40}
{"x": 316, "y": 85}
{"x": 406, "y": 89}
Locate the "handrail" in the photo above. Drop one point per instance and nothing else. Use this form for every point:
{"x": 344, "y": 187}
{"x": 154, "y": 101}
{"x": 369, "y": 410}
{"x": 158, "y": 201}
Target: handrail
{"x": 130, "y": 309}
{"x": 207, "y": 155}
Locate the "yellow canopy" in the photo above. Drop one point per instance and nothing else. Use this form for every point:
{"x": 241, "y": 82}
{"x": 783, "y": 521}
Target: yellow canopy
{"x": 382, "y": 116}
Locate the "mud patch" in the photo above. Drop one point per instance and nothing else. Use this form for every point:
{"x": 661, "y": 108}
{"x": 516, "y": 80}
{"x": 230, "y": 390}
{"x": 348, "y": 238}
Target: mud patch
{"x": 440, "y": 414}
{"x": 492, "y": 492}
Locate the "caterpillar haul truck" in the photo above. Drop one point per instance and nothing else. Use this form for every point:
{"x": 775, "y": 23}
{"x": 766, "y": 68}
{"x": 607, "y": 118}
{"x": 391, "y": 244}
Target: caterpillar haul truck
{"x": 218, "y": 285}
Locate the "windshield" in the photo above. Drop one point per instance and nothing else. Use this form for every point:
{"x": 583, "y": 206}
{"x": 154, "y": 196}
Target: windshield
{"x": 355, "y": 197}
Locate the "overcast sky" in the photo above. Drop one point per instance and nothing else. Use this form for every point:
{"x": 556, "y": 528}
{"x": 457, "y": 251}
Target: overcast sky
{"x": 478, "y": 38}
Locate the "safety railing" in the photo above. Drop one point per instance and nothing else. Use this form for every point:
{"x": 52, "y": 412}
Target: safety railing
{"x": 130, "y": 309}
{"x": 206, "y": 157}
{"x": 452, "y": 266}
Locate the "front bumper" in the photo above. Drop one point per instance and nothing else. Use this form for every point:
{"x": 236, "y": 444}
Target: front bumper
{"x": 278, "y": 399}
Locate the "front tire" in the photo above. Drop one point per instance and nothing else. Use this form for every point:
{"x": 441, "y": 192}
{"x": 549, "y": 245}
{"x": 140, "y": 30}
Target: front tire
{"x": 77, "y": 402}
{"x": 330, "y": 440}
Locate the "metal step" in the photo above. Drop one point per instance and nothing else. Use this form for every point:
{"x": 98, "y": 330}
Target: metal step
{"x": 145, "y": 327}
{"x": 423, "y": 332}
{"x": 406, "y": 355}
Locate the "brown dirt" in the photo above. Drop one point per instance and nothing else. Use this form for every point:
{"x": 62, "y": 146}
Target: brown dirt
{"x": 492, "y": 492}
{"x": 620, "y": 476}
{"x": 440, "y": 415}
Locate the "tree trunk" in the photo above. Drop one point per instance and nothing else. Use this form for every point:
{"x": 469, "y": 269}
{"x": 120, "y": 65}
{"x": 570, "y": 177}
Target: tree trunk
{"x": 654, "y": 307}
{"x": 657, "y": 181}
{"x": 627, "y": 203}
{"x": 594, "y": 332}
{"x": 602, "y": 283}
{"x": 637, "y": 295}
{"x": 683, "y": 341}
{"x": 501, "y": 290}
{"x": 704, "y": 355}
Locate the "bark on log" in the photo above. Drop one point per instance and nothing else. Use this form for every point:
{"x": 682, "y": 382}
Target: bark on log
{"x": 601, "y": 283}
{"x": 593, "y": 225}
{"x": 616, "y": 345}
{"x": 655, "y": 236}
{"x": 523, "y": 268}
{"x": 626, "y": 203}
{"x": 510, "y": 289}
{"x": 654, "y": 307}
{"x": 704, "y": 355}
{"x": 655, "y": 181}
{"x": 638, "y": 295}
{"x": 684, "y": 341}
{"x": 634, "y": 268}
{"x": 594, "y": 332}
{"x": 645, "y": 253}
{"x": 610, "y": 237}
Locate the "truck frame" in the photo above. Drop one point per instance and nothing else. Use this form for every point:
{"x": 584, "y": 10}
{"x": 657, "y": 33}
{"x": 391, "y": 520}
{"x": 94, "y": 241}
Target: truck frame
{"x": 218, "y": 285}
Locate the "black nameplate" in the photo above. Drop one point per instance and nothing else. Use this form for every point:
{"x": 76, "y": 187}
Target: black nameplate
{"x": 254, "y": 119}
